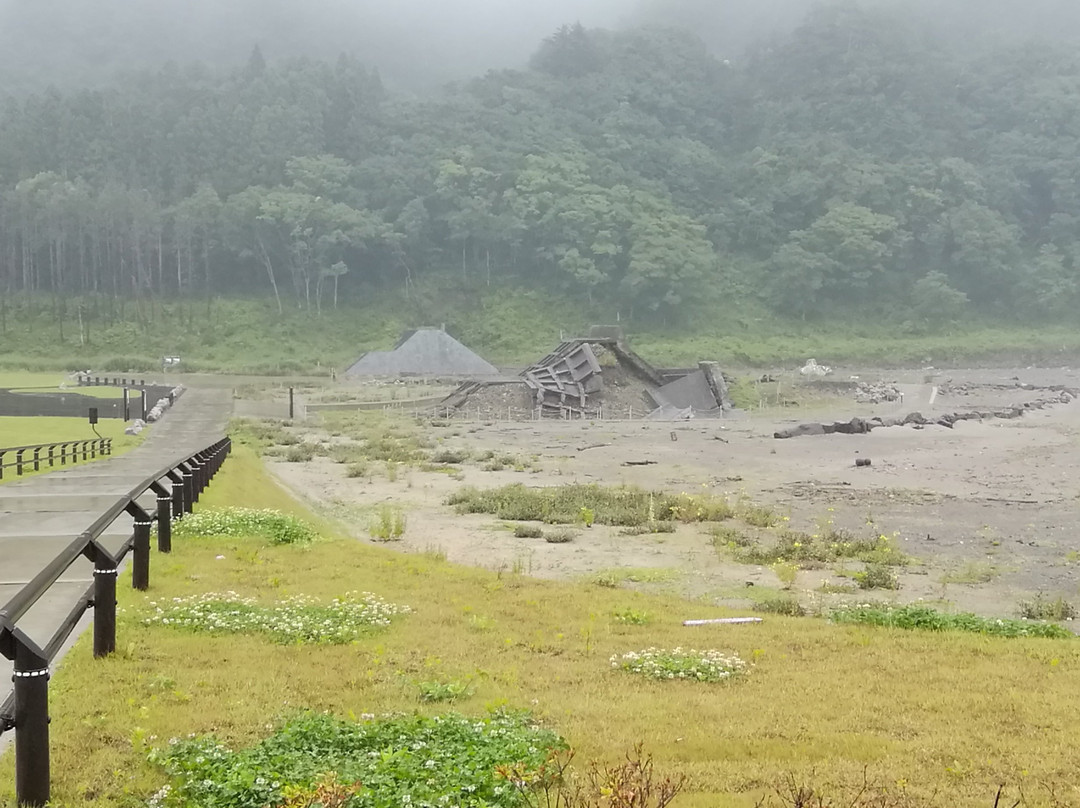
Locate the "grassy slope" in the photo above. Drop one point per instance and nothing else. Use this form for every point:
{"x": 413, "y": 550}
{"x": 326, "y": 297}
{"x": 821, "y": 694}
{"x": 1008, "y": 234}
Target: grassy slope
{"x": 510, "y": 327}
{"x": 955, "y": 714}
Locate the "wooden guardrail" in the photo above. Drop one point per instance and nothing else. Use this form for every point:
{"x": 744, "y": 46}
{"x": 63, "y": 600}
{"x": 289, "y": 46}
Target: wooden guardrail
{"x": 177, "y": 487}
{"x": 52, "y": 453}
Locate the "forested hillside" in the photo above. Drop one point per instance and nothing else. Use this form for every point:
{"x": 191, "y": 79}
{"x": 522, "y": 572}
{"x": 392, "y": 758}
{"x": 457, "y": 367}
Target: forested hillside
{"x": 858, "y": 165}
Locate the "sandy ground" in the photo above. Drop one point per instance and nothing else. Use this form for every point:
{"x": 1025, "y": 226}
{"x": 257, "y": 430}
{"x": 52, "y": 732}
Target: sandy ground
{"x": 993, "y": 498}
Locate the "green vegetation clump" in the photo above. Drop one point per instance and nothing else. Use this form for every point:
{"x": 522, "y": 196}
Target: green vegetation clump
{"x": 278, "y": 527}
{"x": 923, "y": 618}
{"x": 559, "y": 536}
{"x": 524, "y": 531}
{"x": 293, "y": 620}
{"x": 1042, "y": 607}
{"x": 681, "y": 663}
{"x": 807, "y": 550}
{"x": 876, "y": 576}
{"x": 785, "y": 605}
{"x": 388, "y": 523}
{"x": 398, "y": 761}
{"x": 631, "y": 507}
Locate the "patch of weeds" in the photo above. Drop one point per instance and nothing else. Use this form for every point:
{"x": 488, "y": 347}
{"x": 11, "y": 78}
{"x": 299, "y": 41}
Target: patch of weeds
{"x": 1041, "y": 607}
{"x": 278, "y": 527}
{"x": 622, "y": 506}
{"x": 789, "y": 606}
{"x": 829, "y": 588}
{"x": 637, "y": 575}
{"x": 299, "y": 454}
{"x": 808, "y": 550}
{"x": 435, "y": 552}
{"x": 297, "y": 619}
{"x": 432, "y": 757}
{"x": 450, "y": 456}
{"x": 786, "y": 572}
{"x": 631, "y": 617}
{"x": 359, "y": 469}
{"x": 974, "y": 572}
{"x": 923, "y": 618}
{"x": 392, "y": 470}
{"x": 876, "y": 576}
{"x": 680, "y": 663}
{"x": 443, "y": 691}
{"x": 728, "y": 537}
{"x": 524, "y": 531}
{"x": 388, "y": 523}
{"x": 758, "y": 515}
{"x": 651, "y": 527}
{"x": 559, "y": 536}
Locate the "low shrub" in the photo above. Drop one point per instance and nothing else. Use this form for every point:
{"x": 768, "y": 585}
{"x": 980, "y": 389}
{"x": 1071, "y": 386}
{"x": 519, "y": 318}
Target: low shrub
{"x": 431, "y": 758}
{"x": 1041, "y": 607}
{"x": 388, "y": 523}
{"x": 301, "y": 453}
{"x": 559, "y": 536}
{"x": 450, "y": 456}
{"x": 278, "y": 527}
{"x": 442, "y": 691}
{"x": 523, "y": 531}
{"x": 631, "y": 617}
{"x": 680, "y": 663}
{"x": 876, "y": 576}
{"x": 923, "y": 618}
{"x": 296, "y": 619}
{"x": 784, "y": 605}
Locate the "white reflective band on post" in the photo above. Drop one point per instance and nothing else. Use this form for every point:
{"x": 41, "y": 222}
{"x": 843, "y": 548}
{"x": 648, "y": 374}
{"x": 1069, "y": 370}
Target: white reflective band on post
{"x": 106, "y": 572}
{"x": 144, "y": 523}
{"x": 30, "y": 674}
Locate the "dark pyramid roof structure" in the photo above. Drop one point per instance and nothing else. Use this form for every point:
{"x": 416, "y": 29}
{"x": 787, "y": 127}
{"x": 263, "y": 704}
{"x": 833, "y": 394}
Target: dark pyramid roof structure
{"x": 423, "y": 352}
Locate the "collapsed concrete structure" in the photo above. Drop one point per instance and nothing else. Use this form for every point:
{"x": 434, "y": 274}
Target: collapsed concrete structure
{"x": 423, "y": 352}
{"x": 597, "y": 376}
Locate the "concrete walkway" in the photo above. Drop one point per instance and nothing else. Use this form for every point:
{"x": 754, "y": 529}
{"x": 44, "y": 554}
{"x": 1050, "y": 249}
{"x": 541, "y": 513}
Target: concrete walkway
{"x": 42, "y": 515}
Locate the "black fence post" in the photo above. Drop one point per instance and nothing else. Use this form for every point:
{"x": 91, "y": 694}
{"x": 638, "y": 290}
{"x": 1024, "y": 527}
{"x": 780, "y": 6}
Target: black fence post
{"x": 163, "y": 517}
{"x": 31, "y": 679}
{"x": 52, "y": 448}
{"x": 292, "y": 405}
{"x": 189, "y": 487}
{"x": 140, "y": 547}
{"x": 19, "y": 462}
{"x": 104, "y": 603}
{"x": 37, "y": 458}
{"x": 177, "y": 494}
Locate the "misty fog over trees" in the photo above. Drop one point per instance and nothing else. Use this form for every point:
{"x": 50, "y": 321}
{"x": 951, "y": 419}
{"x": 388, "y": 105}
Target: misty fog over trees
{"x": 859, "y": 157}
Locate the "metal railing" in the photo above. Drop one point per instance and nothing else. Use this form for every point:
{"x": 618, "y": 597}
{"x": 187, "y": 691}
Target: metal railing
{"x": 72, "y": 450}
{"x": 114, "y": 381}
{"x": 177, "y": 487}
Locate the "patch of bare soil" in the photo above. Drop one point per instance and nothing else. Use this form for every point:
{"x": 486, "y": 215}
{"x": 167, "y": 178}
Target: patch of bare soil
{"x": 988, "y": 508}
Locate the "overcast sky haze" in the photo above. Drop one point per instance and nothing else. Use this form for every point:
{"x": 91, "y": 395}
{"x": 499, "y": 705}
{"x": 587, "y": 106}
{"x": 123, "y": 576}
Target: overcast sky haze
{"x": 414, "y": 43}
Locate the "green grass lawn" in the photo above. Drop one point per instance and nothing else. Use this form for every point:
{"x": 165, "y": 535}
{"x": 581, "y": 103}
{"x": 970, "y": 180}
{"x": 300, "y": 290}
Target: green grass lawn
{"x": 25, "y": 381}
{"x": 19, "y": 431}
{"x": 942, "y": 717}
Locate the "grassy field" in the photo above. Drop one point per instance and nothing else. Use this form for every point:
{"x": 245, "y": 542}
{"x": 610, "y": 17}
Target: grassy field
{"x": 941, "y": 718}
{"x": 511, "y": 328}
{"x": 18, "y": 431}
{"x": 25, "y": 381}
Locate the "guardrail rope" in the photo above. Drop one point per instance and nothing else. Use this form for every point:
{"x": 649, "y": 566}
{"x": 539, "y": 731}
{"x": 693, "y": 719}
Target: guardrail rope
{"x": 27, "y": 711}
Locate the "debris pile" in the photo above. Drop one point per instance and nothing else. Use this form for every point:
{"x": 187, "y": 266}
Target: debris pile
{"x": 860, "y": 426}
{"x": 813, "y": 370}
{"x": 594, "y": 377}
{"x": 880, "y": 393}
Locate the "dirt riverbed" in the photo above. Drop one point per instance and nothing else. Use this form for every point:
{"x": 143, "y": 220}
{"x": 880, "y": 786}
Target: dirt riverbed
{"x": 988, "y": 509}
